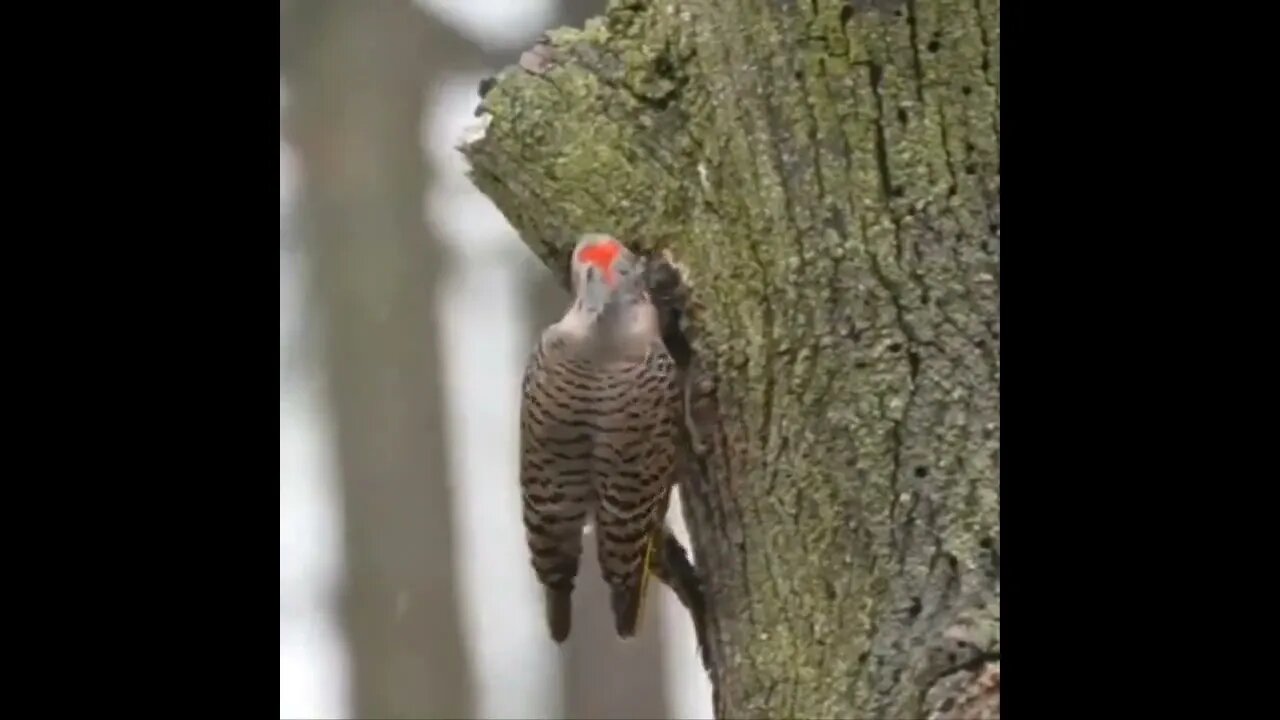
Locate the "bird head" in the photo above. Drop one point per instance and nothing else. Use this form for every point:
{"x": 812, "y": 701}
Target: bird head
{"x": 605, "y": 273}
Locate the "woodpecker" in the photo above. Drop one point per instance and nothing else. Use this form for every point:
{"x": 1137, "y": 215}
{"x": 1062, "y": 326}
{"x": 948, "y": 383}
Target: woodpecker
{"x": 599, "y": 426}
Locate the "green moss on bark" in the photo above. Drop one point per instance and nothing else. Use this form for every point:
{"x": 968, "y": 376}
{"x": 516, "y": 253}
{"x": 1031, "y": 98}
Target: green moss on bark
{"x": 827, "y": 173}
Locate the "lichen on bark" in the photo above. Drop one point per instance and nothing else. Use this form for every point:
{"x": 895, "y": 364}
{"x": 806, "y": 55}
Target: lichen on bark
{"x": 826, "y": 174}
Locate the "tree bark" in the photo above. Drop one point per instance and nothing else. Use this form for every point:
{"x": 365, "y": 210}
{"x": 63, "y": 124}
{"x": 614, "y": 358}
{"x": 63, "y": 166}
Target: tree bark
{"x": 358, "y": 74}
{"x": 826, "y": 177}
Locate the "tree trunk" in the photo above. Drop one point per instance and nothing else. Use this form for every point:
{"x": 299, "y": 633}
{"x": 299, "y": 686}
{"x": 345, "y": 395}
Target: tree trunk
{"x": 826, "y": 176}
{"x": 359, "y": 74}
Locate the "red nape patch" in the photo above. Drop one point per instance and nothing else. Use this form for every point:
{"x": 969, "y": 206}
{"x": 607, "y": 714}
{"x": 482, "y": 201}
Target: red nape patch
{"x": 602, "y": 255}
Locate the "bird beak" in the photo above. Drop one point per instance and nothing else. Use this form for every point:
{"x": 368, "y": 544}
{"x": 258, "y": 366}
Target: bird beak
{"x": 626, "y": 262}
{"x": 597, "y": 290}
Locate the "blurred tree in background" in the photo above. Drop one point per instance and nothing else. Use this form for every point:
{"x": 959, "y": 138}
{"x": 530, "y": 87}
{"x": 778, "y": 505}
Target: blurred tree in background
{"x": 358, "y": 71}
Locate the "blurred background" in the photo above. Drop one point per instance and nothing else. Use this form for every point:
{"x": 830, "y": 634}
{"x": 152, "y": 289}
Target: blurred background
{"x": 407, "y": 308}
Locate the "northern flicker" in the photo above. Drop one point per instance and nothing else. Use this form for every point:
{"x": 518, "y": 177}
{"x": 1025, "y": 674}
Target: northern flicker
{"x": 599, "y": 416}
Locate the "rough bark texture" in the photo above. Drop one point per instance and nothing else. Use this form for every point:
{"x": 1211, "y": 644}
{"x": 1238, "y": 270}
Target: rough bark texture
{"x": 827, "y": 175}
{"x": 358, "y": 75}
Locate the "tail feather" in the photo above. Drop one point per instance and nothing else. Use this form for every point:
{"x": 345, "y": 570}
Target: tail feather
{"x": 628, "y": 600}
{"x": 559, "y": 612}
{"x": 672, "y": 567}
